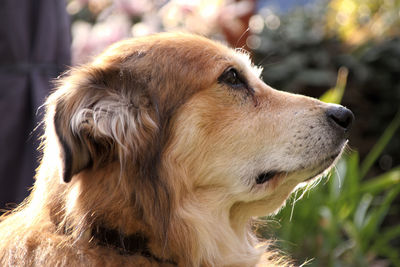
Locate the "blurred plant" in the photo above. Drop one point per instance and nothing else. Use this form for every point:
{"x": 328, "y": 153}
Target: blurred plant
{"x": 99, "y": 23}
{"x": 342, "y": 222}
{"x": 335, "y": 94}
{"x": 360, "y": 21}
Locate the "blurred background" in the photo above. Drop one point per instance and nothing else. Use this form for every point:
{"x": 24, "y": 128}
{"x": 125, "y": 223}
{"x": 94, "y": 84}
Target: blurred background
{"x": 343, "y": 51}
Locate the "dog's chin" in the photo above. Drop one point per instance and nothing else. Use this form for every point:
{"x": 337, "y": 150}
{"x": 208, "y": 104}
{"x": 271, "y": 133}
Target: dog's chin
{"x": 326, "y": 164}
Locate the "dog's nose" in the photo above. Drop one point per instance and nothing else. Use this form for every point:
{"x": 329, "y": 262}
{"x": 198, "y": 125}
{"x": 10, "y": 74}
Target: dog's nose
{"x": 340, "y": 116}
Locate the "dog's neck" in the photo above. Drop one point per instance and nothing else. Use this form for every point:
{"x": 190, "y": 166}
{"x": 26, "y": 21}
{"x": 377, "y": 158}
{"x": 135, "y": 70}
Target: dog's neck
{"x": 190, "y": 238}
{"x": 134, "y": 244}
{"x": 197, "y": 232}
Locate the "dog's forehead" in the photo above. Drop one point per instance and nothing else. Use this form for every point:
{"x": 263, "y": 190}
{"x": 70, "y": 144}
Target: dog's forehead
{"x": 171, "y": 68}
{"x": 177, "y": 49}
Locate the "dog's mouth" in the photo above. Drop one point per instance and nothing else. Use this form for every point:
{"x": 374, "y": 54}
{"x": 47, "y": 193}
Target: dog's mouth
{"x": 266, "y": 176}
{"x": 310, "y": 172}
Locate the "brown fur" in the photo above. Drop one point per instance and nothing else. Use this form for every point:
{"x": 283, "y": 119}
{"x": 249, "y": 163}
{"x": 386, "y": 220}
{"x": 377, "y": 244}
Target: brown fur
{"x": 146, "y": 139}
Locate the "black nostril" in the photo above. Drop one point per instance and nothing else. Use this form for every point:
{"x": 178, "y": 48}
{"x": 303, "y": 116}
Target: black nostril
{"x": 341, "y": 116}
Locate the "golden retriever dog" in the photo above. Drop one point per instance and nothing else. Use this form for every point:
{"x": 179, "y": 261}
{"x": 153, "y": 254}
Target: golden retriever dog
{"x": 160, "y": 152}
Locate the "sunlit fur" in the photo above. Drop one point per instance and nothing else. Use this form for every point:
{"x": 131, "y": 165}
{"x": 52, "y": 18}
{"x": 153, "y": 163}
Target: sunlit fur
{"x": 146, "y": 139}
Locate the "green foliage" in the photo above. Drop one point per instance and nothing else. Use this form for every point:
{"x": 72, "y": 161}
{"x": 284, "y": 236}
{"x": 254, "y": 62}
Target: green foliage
{"x": 340, "y": 223}
{"x": 380, "y": 145}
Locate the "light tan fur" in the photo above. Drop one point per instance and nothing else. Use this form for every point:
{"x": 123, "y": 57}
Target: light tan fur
{"x": 147, "y": 139}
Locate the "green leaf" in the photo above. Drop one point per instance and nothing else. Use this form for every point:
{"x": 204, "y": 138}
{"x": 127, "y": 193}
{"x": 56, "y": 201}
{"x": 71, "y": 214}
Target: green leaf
{"x": 381, "y": 182}
{"x": 335, "y": 95}
{"x": 361, "y": 211}
{"x": 352, "y": 178}
{"x": 376, "y": 216}
{"x": 380, "y": 145}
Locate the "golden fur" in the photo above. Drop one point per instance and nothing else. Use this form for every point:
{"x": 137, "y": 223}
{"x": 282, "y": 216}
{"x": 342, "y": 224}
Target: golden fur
{"x": 149, "y": 138}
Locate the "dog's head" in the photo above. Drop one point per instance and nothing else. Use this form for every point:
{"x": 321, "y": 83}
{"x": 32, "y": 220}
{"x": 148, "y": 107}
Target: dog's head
{"x": 188, "y": 118}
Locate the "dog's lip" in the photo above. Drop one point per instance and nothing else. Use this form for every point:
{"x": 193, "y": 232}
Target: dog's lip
{"x": 266, "y": 176}
{"x": 324, "y": 164}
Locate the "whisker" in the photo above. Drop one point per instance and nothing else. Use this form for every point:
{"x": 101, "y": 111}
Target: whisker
{"x": 293, "y": 204}
{"x": 241, "y": 36}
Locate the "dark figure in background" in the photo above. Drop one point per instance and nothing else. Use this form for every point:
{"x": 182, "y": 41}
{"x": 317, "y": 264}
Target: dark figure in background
{"x": 34, "y": 49}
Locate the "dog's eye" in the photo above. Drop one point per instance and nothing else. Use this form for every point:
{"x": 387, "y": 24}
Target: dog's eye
{"x": 232, "y": 78}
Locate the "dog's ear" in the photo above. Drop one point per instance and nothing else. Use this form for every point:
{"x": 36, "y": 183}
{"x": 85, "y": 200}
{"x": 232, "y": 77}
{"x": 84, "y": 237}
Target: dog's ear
{"x": 100, "y": 117}
{"x": 74, "y": 152}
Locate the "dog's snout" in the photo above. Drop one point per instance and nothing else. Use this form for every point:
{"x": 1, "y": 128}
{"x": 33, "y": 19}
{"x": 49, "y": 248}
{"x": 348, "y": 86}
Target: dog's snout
{"x": 340, "y": 116}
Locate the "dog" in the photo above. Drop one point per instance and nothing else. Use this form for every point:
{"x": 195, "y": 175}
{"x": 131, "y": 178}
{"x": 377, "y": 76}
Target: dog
{"x": 160, "y": 152}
